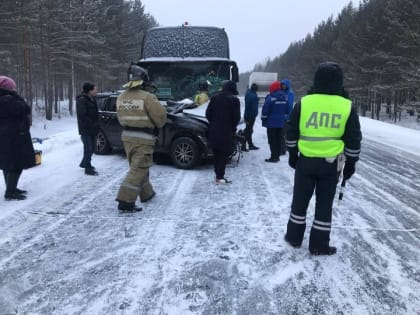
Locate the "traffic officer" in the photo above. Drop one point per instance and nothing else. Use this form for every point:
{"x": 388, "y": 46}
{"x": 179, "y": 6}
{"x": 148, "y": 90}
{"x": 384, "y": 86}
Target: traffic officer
{"x": 322, "y": 132}
{"x": 139, "y": 112}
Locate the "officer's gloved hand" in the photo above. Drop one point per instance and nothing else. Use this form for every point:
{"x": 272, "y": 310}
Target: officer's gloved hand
{"x": 293, "y": 158}
{"x": 349, "y": 169}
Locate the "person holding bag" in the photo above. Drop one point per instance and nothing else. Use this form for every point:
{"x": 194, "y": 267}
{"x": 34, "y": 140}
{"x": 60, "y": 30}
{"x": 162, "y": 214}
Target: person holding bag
{"x": 16, "y": 148}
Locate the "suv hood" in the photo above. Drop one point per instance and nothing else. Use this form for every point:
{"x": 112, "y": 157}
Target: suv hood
{"x": 198, "y": 113}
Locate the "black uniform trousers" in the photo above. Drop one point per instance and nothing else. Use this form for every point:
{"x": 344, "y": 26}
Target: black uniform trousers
{"x": 319, "y": 175}
{"x": 275, "y": 136}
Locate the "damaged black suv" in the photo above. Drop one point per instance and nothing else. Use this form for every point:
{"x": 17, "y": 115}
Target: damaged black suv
{"x": 176, "y": 66}
{"x": 183, "y": 138}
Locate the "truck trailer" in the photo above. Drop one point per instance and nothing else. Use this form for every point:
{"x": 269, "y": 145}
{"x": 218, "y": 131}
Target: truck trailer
{"x": 263, "y": 80}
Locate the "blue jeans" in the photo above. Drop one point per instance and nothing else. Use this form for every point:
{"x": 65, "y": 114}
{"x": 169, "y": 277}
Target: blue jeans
{"x": 88, "y": 146}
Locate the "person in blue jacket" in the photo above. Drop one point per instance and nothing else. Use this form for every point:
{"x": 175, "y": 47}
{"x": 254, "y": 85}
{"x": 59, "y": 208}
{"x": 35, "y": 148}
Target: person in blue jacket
{"x": 286, "y": 86}
{"x": 273, "y": 115}
{"x": 251, "y": 112}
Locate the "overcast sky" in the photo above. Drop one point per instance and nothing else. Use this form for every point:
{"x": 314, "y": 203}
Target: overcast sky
{"x": 256, "y": 29}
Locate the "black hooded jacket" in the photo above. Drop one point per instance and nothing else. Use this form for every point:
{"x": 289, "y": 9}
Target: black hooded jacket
{"x": 87, "y": 115}
{"x": 16, "y": 149}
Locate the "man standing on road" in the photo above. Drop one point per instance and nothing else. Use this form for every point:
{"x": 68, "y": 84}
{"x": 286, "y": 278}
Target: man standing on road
{"x": 88, "y": 123}
{"x": 139, "y": 112}
{"x": 223, "y": 114}
{"x": 251, "y": 112}
{"x": 324, "y": 128}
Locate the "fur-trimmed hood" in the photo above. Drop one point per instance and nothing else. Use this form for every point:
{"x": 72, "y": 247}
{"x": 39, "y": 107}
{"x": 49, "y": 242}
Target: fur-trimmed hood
{"x": 328, "y": 79}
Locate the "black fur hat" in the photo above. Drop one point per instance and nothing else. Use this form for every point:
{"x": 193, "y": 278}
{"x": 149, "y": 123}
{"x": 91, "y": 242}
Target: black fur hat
{"x": 87, "y": 87}
{"x": 328, "y": 79}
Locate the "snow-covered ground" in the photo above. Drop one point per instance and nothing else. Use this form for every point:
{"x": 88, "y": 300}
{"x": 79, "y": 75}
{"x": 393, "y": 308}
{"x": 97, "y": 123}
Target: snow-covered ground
{"x": 198, "y": 248}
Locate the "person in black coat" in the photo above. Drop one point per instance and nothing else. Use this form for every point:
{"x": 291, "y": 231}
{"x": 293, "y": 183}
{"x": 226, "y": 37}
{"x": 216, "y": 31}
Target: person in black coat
{"x": 223, "y": 114}
{"x": 16, "y": 149}
{"x": 88, "y": 123}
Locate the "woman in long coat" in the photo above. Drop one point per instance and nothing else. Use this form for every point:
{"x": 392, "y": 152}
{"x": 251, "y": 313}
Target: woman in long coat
{"x": 223, "y": 114}
{"x": 16, "y": 149}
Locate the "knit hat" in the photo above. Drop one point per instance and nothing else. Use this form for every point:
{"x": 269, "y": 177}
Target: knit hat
{"x": 7, "y": 83}
{"x": 87, "y": 87}
{"x": 328, "y": 79}
{"x": 275, "y": 86}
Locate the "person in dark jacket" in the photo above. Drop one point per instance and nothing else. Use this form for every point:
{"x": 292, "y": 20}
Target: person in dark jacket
{"x": 273, "y": 116}
{"x": 16, "y": 149}
{"x": 322, "y": 132}
{"x": 223, "y": 114}
{"x": 88, "y": 123}
{"x": 287, "y": 87}
{"x": 251, "y": 112}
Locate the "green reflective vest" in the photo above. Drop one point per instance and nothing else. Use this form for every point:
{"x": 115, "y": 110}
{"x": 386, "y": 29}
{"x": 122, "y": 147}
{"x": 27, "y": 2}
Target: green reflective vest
{"x": 323, "y": 119}
{"x": 201, "y": 98}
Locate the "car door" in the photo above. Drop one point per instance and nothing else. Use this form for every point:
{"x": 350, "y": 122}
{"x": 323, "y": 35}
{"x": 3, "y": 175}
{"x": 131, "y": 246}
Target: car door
{"x": 110, "y": 119}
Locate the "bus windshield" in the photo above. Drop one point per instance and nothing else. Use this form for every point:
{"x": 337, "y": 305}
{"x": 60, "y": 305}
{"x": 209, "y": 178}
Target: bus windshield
{"x": 176, "y": 80}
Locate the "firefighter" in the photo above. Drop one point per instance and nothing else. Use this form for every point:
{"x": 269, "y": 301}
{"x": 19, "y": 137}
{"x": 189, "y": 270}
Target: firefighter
{"x": 140, "y": 113}
{"x": 322, "y": 133}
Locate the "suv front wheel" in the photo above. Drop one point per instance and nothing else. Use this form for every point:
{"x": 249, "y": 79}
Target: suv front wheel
{"x": 185, "y": 153}
{"x": 102, "y": 145}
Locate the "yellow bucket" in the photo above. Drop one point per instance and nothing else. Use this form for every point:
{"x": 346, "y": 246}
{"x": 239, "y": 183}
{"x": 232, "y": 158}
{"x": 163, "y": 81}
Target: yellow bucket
{"x": 38, "y": 157}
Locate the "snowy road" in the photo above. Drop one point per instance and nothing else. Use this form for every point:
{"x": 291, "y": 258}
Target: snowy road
{"x": 198, "y": 248}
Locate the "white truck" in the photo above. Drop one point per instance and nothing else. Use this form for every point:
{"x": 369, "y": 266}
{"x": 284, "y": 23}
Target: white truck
{"x": 263, "y": 80}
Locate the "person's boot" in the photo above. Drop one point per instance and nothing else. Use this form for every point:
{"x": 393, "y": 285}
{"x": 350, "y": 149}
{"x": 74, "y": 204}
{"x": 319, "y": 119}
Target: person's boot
{"x": 21, "y": 191}
{"x": 330, "y": 250}
{"x": 243, "y": 148}
{"x": 272, "y": 160}
{"x": 291, "y": 243}
{"x": 223, "y": 181}
{"x": 253, "y": 147}
{"x": 91, "y": 171}
{"x": 148, "y": 198}
{"x": 13, "y": 195}
{"x": 128, "y": 206}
